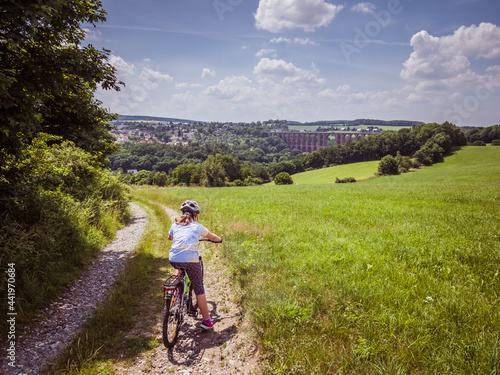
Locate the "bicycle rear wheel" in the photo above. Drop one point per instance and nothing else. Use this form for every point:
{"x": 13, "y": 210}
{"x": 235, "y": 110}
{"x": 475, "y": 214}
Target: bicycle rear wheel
{"x": 173, "y": 317}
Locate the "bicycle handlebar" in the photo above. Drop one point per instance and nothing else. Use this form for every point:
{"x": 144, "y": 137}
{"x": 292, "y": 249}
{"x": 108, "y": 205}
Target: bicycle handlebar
{"x": 206, "y": 239}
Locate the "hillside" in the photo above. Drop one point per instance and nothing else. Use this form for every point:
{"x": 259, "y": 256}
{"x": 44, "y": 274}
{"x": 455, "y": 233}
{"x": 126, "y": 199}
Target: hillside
{"x": 151, "y": 118}
{"x": 396, "y": 274}
{"x": 360, "y": 171}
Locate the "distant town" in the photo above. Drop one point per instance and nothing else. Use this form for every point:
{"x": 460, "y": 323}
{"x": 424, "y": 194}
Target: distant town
{"x": 176, "y": 131}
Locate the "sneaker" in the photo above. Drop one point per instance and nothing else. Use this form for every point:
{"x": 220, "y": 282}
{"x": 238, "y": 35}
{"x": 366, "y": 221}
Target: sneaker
{"x": 207, "y": 324}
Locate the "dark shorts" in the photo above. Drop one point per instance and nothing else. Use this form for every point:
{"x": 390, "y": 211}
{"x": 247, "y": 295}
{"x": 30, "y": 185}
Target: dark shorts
{"x": 195, "y": 275}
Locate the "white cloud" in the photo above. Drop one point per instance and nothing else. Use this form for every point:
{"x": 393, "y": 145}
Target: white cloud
{"x": 363, "y": 8}
{"x": 151, "y": 79}
{"x": 185, "y": 85}
{"x": 277, "y": 15}
{"x": 328, "y": 93}
{"x": 287, "y": 73}
{"x": 235, "y": 88}
{"x": 123, "y": 69}
{"x": 137, "y": 92}
{"x": 344, "y": 88}
{"x": 280, "y": 40}
{"x": 276, "y": 68}
{"x": 207, "y": 73}
{"x": 265, "y": 51}
{"x": 301, "y": 41}
{"x": 447, "y": 57}
{"x": 305, "y": 41}
{"x": 339, "y": 91}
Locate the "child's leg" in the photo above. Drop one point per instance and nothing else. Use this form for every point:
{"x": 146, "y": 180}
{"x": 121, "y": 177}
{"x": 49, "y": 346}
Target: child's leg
{"x": 202, "y": 304}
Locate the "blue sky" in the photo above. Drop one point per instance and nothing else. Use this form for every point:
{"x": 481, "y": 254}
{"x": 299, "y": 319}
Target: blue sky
{"x": 304, "y": 60}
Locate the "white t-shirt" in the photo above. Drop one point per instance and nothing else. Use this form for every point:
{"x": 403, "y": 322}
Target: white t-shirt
{"x": 185, "y": 244}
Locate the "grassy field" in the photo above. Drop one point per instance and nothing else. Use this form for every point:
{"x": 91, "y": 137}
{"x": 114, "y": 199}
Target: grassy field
{"x": 360, "y": 171}
{"x": 395, "y": 275}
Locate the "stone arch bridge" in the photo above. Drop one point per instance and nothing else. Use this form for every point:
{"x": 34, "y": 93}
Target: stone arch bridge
{"x": 313, "y": 141}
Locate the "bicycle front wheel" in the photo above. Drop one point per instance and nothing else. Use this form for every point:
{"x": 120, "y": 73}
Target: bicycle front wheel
{"x": 173, "y": 317}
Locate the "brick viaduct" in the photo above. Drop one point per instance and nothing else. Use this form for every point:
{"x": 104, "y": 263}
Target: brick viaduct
{"x": 313, "y": 141}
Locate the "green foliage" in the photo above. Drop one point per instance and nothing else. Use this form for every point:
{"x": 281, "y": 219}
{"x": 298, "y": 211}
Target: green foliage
{"x": 58, "y": 206}
{"x": 282, "y": 166}
{"x": 388, "y": 165}
{"x": 214, "y": 172}
{"x": 142, "y": 178}
{"x": 160, "y": 179}
{"x": 283, "y": 178}
{"x": 404, "y": 163}
{"x": 478, "y": 143}
{"x": 487, "y": 135}
{"x": 495, "y": 142}
{"x": 345, "y": 180}
{"x": 61, "y": 210}
{"x": 187, "y": 174}
{"x": 48, "y": 78}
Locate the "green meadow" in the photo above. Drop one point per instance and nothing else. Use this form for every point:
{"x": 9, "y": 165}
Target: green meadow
{"x": 394, "y": 275}
{"x": 360, "y": 171}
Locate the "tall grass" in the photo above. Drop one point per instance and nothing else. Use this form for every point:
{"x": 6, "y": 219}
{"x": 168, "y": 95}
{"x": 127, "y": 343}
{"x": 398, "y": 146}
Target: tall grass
{"x": 395, "y": 275}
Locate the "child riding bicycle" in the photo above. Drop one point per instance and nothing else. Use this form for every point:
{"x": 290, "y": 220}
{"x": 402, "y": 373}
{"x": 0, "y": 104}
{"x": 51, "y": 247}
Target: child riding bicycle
{"x": 185, "y": 233}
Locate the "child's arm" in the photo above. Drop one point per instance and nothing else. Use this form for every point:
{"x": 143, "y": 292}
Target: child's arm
{"x": 213, "y": 237}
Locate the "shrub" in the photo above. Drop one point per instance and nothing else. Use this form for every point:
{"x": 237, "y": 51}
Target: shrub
{"x": 388, "y": 165}
{"x": 238, "y": 182}
{"x": 478, "y": 143}
{"x": 62, "y": 208}
{"x": 283, "y": 178}
{"x": 429, "y": 153}
{"x": 495, "y": 142}
{"x": 345, "y": 180}
{"x": 252, "y": 181}
{"x": 404, "y": 163}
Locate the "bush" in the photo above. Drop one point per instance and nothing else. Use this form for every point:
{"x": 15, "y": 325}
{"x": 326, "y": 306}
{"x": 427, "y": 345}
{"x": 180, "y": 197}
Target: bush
{"x": 495, "y": 142}
{"x": 346, "y": 180}
{"x": 238, "y": 182}
{"x": 283, "y": 178}
{"x": 61, "y": 209}
{"x": 404, "y": 163}
{"x": 388, "y": 166}
{"x": 429, "y": 153}
{"x": 478, "y": 143}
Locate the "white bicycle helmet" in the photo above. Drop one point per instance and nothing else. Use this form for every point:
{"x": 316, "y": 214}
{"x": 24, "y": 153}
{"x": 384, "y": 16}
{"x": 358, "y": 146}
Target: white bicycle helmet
{"x": 190, "y": 206}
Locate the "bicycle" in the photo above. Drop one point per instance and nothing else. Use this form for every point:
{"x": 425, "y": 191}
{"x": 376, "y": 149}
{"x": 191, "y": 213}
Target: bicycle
{"x": 178, "y": 296}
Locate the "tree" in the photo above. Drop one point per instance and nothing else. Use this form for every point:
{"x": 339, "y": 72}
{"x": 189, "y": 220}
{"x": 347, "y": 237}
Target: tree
{"x": 47, "y": 79}
{"x": 283, "y": 178}
{"x": 282, "y": 166}
{"x": 388, "y": 165}
{"x": 214, "y": 172}
{"x": 47, "y": 84}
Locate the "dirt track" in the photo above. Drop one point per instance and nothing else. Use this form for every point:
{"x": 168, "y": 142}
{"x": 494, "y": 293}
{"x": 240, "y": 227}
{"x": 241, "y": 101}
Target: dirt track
{"x": 228, "y": 349}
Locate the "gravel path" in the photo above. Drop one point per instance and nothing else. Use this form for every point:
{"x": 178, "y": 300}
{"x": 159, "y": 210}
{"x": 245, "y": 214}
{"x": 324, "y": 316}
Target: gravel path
{"x": 229, "y": 349}
{"x": 56, "y": 326}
